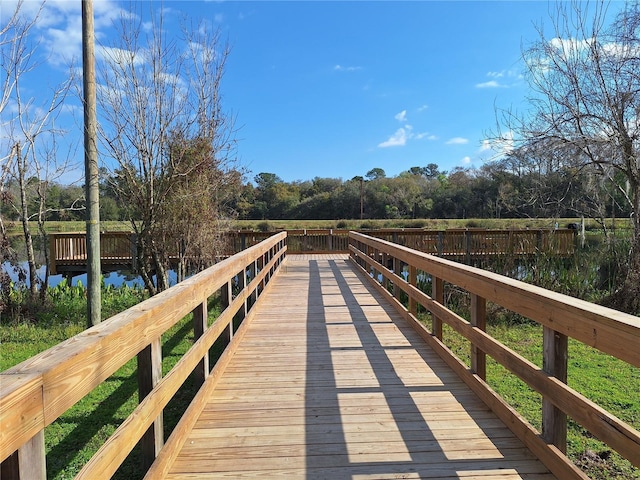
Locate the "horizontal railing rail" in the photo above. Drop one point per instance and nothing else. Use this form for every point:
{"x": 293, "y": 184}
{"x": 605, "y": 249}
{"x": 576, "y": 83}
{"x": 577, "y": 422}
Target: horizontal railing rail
{"x": 68, "y": 250}
{"x": 395, "y": 269}
{"x": 39, "y": 390}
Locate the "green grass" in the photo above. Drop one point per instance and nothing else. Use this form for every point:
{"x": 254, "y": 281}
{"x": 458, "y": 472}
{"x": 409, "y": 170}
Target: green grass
{"x": 71, "y": 440}
{"x": 429, "y": 224}
{"x": 14, "y": 228}
{"x": 611, "y": 383}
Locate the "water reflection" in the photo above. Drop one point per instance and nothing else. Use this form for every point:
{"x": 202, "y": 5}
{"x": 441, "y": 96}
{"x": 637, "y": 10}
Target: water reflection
{"x": 117, "y": 278}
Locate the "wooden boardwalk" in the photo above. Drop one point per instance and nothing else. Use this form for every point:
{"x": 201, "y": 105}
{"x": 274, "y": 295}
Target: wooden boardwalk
{"x": 331, "y": 383}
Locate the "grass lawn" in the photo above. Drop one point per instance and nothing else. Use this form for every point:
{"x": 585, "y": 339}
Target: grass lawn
{"x": 607, "y": 381}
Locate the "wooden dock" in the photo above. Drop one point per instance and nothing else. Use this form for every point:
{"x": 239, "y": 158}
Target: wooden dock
{"x": 330, "y": 382}
{"x": 326, "y": 372}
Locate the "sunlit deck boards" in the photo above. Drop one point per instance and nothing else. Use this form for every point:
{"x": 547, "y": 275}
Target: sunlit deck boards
{"x": 330, "y": 384}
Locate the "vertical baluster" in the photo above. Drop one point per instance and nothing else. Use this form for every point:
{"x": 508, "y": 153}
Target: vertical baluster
{"x": 555, "y": 355}
{"x": 437, "y": 293}
{"x": 479, "y": 320}
{"x": 149, "y": 374}
{"x": 200, "y": 325}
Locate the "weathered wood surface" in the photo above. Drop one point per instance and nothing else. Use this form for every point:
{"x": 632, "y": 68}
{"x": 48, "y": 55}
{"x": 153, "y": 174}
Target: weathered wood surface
{"x": 328, "y": 382}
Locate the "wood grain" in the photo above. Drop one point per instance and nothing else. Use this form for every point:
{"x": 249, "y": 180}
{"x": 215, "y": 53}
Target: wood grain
{"x": 330, "y": 382}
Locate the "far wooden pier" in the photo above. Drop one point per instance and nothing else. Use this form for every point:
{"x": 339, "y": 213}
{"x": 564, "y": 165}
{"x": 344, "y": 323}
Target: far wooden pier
{"x": 68, "y": 251}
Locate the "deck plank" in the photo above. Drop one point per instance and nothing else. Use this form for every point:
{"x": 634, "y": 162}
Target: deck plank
{"x": 329, "y": 382}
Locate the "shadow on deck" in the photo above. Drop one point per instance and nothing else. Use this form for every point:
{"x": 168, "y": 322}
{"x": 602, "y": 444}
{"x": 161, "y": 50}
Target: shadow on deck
{"x": 330, "y": 382}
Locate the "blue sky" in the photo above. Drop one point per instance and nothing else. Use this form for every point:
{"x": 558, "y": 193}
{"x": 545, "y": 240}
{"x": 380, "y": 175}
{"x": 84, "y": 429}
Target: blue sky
{"x": 334, "y": 89}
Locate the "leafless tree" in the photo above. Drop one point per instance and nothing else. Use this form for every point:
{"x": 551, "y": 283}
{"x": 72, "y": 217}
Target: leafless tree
{"x": 585, "y": 99}
{"x": 159, "y": 98}
{"x": 30, "y": 150}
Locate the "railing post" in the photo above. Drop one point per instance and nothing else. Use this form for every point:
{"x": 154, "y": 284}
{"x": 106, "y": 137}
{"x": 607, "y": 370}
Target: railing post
{"x": 413, "y": 280}
{"x": 437, "y": 292}
{"x": 440, "y": 243}
{"x": 254, "y": 294}
{"x": 479, "y": 320}
{"x": 53, "y": 254}
{"x": 28, "y": 462}
{"x": 149, "y": 374}
{"x": 226, "y": 295}
{"x": 243, "y": 286}
{"x": 397, "y": 269}
{"x": 554, "y": 362}
{"x": 200, "y": 325}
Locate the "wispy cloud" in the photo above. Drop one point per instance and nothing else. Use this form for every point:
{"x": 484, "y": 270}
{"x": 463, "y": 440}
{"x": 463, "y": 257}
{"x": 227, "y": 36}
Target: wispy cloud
{"x": 500, "y": 79}
{"x": 341, "y": 68}
{"x": 402, "y": 116}
{"x": 398, "y": 139}
{"x": 466, "y": 160}
{"x": 427, "y": 135}
{"x": 404, "y": 134}
{"x": 457, "y": 141}
{"x": 489, "y": 84}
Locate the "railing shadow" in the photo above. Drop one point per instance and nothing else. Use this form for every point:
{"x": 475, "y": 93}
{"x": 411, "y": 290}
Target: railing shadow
{"x": 395, "y": 436}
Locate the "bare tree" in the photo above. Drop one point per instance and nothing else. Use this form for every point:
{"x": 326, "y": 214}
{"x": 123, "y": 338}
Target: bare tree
{"x": 159, "y": 98}
{"x": 586, "y": 91}
{"x": 29, "y": 142}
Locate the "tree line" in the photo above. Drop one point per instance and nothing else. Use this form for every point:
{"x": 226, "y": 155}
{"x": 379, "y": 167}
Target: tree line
{"x": 500, "y": 189}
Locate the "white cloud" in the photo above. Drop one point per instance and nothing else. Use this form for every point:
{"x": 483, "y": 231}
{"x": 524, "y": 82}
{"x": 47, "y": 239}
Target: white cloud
{"x": 457, "y": 141}
{"x": 569, "y": 44}
{"x": 120, "y": 57}
{"x": 340, "y": 68}
{"x": 422, "y": 108}
{"x": 402, "y": 116}
{"x": 501, "y": 147}
{"x": 398, "y": 139}
{"x": 489, "y": 84}
{"x": 427, "y": 135}
{"x": 65, "y": 44}
{"x": 500, "y": 79}
{"x": 466, "y": 160}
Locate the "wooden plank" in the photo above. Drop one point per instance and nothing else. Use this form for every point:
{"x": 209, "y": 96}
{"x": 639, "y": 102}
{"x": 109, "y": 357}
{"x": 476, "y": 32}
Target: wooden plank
{"x": 321, "y": 377}
{"x": 23, "y": 392}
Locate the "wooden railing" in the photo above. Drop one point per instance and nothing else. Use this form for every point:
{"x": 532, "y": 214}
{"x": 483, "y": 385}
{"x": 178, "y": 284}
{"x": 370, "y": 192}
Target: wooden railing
{"x": 560, "y": 316}
{"x": 36, "y": 392}
{"x": 457, "y": 243}
{"x": 68, "y": 250}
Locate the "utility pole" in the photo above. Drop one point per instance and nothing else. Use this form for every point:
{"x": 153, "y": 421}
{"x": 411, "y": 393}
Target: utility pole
{"x": 361, "y": 198}
{"x": 91, "y": 166}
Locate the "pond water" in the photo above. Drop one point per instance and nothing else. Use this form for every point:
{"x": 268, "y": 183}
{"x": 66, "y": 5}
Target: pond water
{"x": 114, "y": 279}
